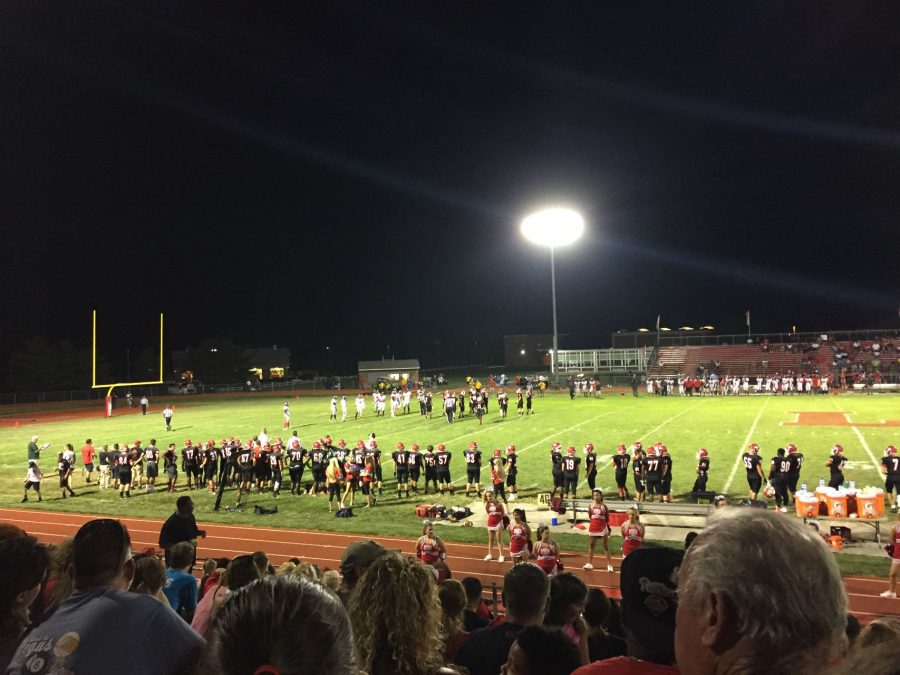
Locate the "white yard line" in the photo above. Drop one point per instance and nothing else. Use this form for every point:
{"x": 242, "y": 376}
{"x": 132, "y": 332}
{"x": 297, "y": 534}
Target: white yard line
{"x": 862, "y": 439}
{"x": 739, "y": 462}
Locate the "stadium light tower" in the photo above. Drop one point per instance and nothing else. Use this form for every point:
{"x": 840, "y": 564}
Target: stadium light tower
{"x": 553, "y": 227}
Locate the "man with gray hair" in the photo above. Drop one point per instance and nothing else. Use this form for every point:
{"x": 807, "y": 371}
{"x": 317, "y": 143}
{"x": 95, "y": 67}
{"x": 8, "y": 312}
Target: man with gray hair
{"x": 758, "y": 593}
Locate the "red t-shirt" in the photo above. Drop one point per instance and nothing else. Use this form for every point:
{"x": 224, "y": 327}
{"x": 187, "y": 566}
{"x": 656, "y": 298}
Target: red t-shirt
{"x": 87, "y": 454}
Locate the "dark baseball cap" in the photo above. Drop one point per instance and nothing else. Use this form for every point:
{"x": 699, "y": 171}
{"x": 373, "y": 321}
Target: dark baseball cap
{"x": 649, "y": 585}
{"x": 361, "y": 554}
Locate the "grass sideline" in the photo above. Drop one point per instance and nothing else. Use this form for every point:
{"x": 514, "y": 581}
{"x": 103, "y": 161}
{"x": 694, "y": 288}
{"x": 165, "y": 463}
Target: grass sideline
{"x": 722, "y": 425}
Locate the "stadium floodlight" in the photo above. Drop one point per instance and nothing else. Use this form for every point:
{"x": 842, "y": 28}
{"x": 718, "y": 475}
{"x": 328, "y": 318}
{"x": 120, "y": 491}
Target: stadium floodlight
{"x": 686, "y": 328}
{"x": 664, "y": 329}
{"x": 707, "y": 327}
{"x": 553, "y": 227}
{"x": 643, "y": 330}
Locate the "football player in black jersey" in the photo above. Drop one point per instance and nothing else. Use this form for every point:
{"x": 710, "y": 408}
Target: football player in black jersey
{"x": 637, "y": 469}
{"x": 429, "y": 460}
{"x": 472, "y": 456}
{"x": 702, "y": 470}
{"x": 779, "y": 467}
{"x": 621, "y": 460}
{"x": 442, "y": 457}
{"x": 556, "y": 468}
{"x": 401, "y": 469}
{"x": 512, "y": 471}
{"x": 755, "y": 476}
{"x": 835, "y": 465}
{"x": 590, "y": 465}
{"x": 796, "y": 460}
{"x": 890, "y": 467}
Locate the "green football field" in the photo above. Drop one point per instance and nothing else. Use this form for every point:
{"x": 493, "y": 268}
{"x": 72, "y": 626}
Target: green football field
{"x": 723, "y": 425}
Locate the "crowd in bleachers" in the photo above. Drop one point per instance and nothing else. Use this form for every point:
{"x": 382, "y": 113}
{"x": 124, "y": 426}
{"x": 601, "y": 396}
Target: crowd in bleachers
{"x": 736, "y": 600}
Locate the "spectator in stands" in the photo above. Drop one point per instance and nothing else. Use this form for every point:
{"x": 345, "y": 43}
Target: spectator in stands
{"x": 181, "y": 526}
{"x": 601, "y": 643}
{"x": 58, "y": 586}
{"x": 649, "y": 586}
{"x": 759, "y": 593}
{"x": 262, "y": 562}
{"x": 181, "y": 586}
{"x": 149, "y": 577}
{"x": 882, "y": 629}
{"x": 396, "y": 619}
{"x": 355, "y": 561}
{"x": 541, "y": 650}
{"x": 881, "y": 658}
{"x": 331, "y": 579}
{"x": 23, "y": 566}
{"x": 852, "y": 630}
{"x": 526, "y": 594}
{"x": 568, "y": 595}
{"x": 79, "y": 636}
{"x": 280, "y": 624}
{"x": 241, "y": 571}
{"x": 453, "y": 600}
{"x": 476, "y": 614}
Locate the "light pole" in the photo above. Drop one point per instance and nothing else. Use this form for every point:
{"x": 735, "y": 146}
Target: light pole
{"x": 553, "y": 227}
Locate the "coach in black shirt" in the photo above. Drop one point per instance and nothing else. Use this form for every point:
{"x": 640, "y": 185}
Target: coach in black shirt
{"x": 181, "y": 526}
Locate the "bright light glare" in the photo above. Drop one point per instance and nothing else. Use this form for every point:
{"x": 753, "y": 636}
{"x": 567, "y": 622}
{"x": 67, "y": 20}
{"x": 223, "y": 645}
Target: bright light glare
{"x": 643, "y": 330}
{"x": 707, "y": 327}
{"x": 686, "y": 328}
{"x": 553, "y": 227}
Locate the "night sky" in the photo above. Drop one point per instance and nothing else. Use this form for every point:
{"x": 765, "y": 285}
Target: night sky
{"x": 352, "y": 175}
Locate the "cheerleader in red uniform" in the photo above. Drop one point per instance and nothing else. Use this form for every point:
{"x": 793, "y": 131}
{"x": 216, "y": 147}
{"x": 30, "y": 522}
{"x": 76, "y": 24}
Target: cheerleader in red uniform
{"x": 891, "y": 592}
{"x": 519, "y": 538}
{"x": 430, "y": 549}
{"x": 495, "y": 525}
{"x": 546, "y": 552}
{"x": 632, "y": 532}
{"x": 599, "y": 529}
{"x": 366, "y": 476}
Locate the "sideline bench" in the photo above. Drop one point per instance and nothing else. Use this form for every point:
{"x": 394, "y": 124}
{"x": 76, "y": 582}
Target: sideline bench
{"x": 649, "y": 508}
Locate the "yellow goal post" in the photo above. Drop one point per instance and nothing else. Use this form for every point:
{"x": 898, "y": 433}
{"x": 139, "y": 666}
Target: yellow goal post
{"x": 95, "y": 385}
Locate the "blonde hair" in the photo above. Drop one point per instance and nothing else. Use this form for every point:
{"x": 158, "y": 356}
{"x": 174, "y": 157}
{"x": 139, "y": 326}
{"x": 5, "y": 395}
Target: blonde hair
{"x": 331, "y": 579}
{"x": 307, "y": 570}
{"x": 634, "y": 516}
{"x": 396, "y": 597}
{"x": 285, "y": 567}
{"x": 333, "y": 470}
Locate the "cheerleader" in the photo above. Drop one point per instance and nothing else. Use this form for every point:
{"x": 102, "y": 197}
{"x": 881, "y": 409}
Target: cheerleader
{"x": 495, "y": 525}
{"x": 430, "y": 549}
{"x": 632, "y": 532}
{"x": 599, "y": 529}
{"x": 546, "y": 552}
{"x": 351, "y": 470}
{"x": 891, "y": 592}
{"x": 519, "y": 538}
{"x": 366, "y": 476}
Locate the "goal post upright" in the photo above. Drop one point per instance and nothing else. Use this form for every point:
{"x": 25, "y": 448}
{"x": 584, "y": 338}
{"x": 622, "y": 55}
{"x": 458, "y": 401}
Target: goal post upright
{"x": 94, "y": 385}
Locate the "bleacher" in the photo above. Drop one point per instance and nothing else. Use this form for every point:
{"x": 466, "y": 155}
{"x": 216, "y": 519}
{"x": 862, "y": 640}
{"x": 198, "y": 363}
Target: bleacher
{"x": 737, "y": 360}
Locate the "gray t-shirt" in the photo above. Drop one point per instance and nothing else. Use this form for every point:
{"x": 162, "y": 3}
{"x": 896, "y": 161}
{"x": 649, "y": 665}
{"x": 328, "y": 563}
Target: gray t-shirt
{"x": 80, "y": 637}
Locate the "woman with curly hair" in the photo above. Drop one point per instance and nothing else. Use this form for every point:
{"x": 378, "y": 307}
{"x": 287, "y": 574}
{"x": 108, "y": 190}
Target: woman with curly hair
{"x": 280, "y": 624}
{"x": 396, "y": 619}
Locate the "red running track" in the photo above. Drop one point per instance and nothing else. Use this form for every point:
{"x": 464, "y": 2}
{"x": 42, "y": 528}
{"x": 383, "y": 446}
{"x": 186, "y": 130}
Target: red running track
{"x": 325, "y": 549}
